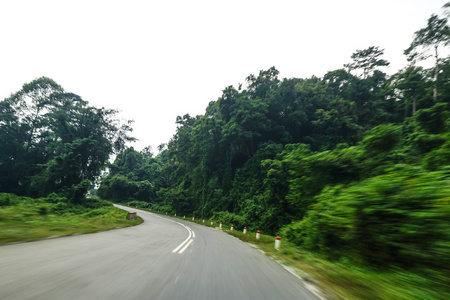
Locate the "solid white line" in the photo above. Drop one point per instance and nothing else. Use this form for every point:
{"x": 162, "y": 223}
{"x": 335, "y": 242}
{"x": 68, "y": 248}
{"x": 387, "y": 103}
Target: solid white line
{"x": 182, "y": 244}
{"x": 185, "y": 247}
{"x": 191, "y": 233}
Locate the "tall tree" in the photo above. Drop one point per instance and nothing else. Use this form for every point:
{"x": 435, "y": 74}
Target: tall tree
{"x": 55, "y": 141}
{"x": 411, "y": 84}
{"x": 435, "y": 35}
{"x": 368, "y": 60}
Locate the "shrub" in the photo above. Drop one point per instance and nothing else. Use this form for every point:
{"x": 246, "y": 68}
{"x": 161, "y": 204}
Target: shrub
{"x": 401, "y": 217}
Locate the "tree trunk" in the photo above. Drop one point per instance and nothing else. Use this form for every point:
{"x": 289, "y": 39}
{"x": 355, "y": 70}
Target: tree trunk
{"x": 436, "y": 72}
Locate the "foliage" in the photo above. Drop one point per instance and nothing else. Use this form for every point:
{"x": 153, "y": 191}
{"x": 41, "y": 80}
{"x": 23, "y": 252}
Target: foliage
{"x": 27, "y": 219}
{"x": 54, "y": 142}
{"x": 401, "y": 217}
{"x": 352, "y": 165}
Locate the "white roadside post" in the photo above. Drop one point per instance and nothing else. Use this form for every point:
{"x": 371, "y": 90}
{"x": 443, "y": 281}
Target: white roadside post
{"x": 184, "y": 216}
{"x": 175, "y": 214}
{"x": 277, "y": 243}
{"x": 193, "y": 218}
{"x": 212, "y": 222}
{"x": 203, "y": 220}
{"x": 231, "y": 228}
{"x": 220, "y": 225}
{"x": 245, "y": 230}
{"x": 258, "y": 235}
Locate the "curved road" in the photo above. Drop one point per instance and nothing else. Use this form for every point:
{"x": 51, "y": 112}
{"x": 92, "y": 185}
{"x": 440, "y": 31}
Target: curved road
{"x": 163, "y": 258}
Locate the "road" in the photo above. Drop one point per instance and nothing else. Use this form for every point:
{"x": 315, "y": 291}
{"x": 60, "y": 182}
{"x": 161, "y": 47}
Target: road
{"x": 163, "y": 258}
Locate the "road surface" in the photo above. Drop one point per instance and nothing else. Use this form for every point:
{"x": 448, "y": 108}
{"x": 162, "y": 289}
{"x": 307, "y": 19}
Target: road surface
{"x": 163, "y": 258}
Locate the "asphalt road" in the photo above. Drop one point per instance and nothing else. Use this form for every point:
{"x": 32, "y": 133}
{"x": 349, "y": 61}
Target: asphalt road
{"x": 163, "y": 258}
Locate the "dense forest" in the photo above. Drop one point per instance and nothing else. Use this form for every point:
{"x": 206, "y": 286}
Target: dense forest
{"x": 355, "y": 163}
{"x": 351, "y": 164}
{"x": 53, "y": 142}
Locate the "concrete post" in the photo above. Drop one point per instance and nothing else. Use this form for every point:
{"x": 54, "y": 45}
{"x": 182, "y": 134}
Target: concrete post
{"x": 277, "y": 243}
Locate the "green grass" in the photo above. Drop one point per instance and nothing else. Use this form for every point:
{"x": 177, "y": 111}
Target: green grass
{"x": 346, "y": 279}
{"x": 33, "y": 219}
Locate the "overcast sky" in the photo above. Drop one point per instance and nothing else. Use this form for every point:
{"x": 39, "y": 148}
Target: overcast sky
{"x": 155, "y": 60}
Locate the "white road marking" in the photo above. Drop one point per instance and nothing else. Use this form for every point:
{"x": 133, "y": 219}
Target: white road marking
{"x": 185, "y": 247}
{"x": 188, "y": 240}
{"x": 183, "y": 243}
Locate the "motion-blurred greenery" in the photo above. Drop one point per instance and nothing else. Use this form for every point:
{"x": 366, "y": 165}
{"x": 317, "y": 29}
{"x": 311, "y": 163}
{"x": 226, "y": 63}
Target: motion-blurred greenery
{"x": 26, "y": 219}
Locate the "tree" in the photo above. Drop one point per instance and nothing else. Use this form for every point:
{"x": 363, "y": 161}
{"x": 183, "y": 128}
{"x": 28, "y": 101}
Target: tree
{"x": 261, "y": 85}
{"x": 412, "y": 86}
{"x": 56, "y": 141}
{"x": 435, "y": 35}
{"x": 367, "y": 60}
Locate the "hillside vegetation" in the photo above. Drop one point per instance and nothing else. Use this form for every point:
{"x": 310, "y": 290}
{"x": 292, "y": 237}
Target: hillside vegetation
{"x": 352, "y": 165}
{"x": 24, "y": 219}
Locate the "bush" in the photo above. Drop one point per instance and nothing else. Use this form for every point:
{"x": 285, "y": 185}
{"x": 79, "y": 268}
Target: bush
{"x": 5, "y": 199}
{"x": 230, "y": 218}
{"x": 59, "y": 207}
{"x": 401, "y": 218}
{"x": 140, "y": 204}
{"x": 55, "y": 198}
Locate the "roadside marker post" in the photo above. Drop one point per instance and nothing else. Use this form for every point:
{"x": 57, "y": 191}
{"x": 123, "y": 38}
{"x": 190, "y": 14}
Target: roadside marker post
{"x": 220, "y": 226}
{"x": 193, "y": 218}
{"x": 231, "y": 227}
{"x": 258, "y": 235}
{"x": 184, "y": 217}
{"x": 277, "y": 243}
{"x": 245, "y": 230}
{"x": 203, "y": 220}
{"x": 212, "y": 222}
{"x": 175, "y": 214}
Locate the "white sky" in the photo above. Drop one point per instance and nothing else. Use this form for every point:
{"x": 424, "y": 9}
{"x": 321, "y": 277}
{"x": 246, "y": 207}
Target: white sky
{"x": 155, "y": 60}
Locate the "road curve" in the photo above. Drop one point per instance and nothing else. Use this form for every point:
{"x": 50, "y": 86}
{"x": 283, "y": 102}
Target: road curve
{"x": 163, "y": 258}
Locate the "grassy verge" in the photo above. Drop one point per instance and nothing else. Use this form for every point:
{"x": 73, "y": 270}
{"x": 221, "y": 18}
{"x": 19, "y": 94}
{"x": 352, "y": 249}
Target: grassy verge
{"x": 344, "y": 279}
{"x": 32, "y": 219}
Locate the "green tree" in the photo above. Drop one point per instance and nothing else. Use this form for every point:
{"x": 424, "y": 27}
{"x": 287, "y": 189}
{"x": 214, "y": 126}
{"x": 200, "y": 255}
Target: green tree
{"x": 411, "y": 83}
{"x": 435, "y": 35}
{"x": 59, "y": 142}
{"x": 367, "y": 60}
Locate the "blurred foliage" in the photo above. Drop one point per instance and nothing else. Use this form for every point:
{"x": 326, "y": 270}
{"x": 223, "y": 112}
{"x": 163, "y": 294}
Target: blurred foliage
{"x": 27, "y": 219}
